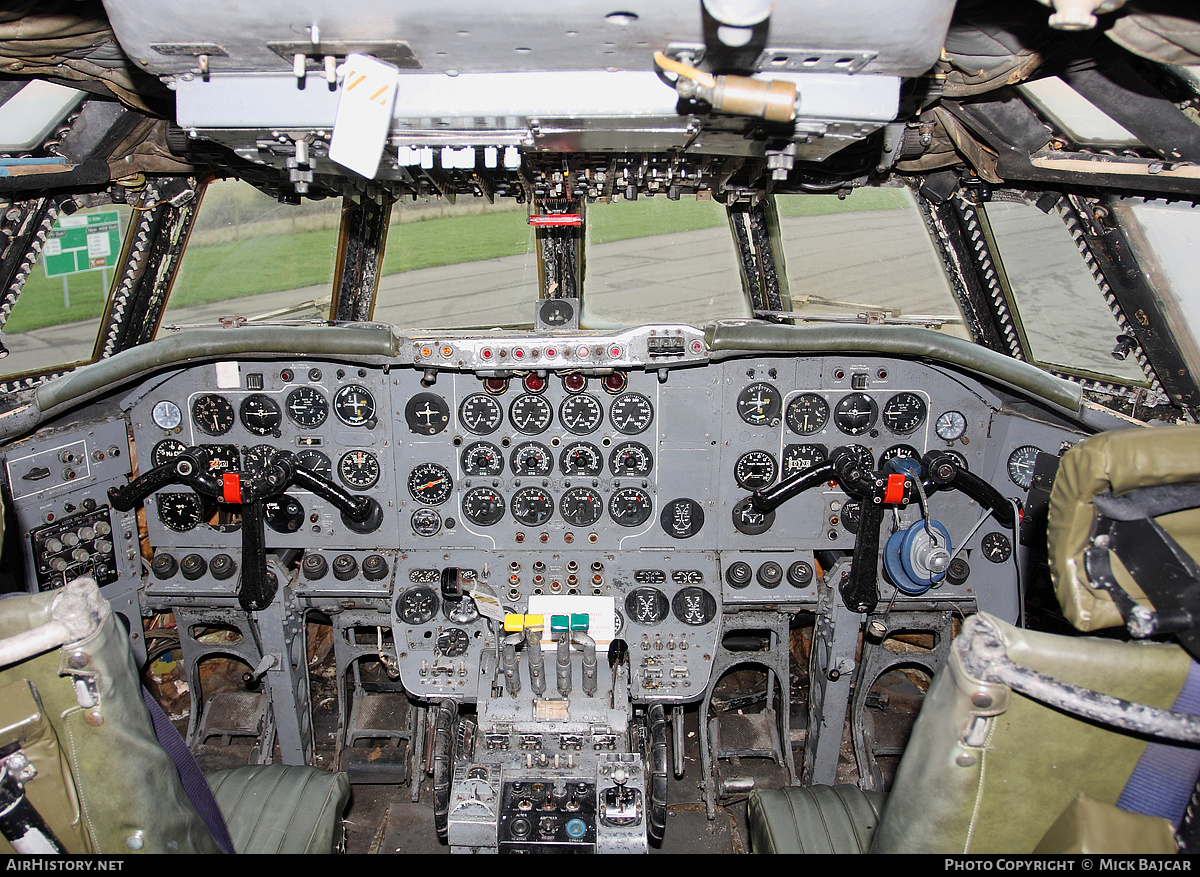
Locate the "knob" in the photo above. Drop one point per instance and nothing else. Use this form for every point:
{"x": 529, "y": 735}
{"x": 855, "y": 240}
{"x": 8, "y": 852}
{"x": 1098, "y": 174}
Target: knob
{"x": 193, "y": 567}
{"x": 222, "y": 567}
{"x": 739, "y": 574}
{"x": 164, "y": 565}
{"x": 374, "y": 568}
{"x": 314, "y": 567}
{"x": 345, "y": 567}
{"x": 770, "y": 574}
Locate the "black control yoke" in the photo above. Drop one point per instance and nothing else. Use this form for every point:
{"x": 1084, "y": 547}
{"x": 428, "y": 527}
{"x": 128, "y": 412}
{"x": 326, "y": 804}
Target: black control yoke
{"x": 257, "y": 587}
{"x": 894, "y": 485}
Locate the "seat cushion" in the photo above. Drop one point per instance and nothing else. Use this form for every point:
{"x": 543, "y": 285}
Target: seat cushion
{"x": 816, "y": 819}
{"x": 279, "y": 808}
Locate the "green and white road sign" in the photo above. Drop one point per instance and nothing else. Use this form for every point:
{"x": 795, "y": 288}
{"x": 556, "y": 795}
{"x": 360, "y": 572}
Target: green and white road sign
{"x": 82, "y": 242}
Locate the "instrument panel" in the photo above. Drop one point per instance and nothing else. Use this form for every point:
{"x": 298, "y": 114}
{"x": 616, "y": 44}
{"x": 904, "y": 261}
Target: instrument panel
{"x": 608, "y": 487}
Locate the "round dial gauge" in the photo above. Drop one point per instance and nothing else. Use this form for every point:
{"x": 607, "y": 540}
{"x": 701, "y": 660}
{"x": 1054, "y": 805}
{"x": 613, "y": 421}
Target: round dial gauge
{"x": 482, "y": 458}
{"x": 283, "y": 514}
{"x": 166, "y": 415}
{"x": 807, "y": 414}
{"x": 851, "y": 515}
{"x": 179, "y": 511}
{"x": 581, "y": 459}
{"x": 430, "y": 483}
{"x": 426, "y": 522}
{"x": 255, "y": 459}
{"x": 797, "y": 458}
{"x": 694, "y": 606}
{"x": 631, "y": 413}
{"x": 358, "y": 469}
{"x": 682, "y": 518}
{"x": 754, "y": 470}
{"x": 532, "y": 459}
{"x": 453, "y": 642}
{"x": 480, "y": 414}
{"x": 581, "y": 506}
{"x": 1020, "y": 466}
{"x": 306, "y": 407}
{"x": 951, "y": 425}
{"x": 630, "y": 507}
{"x": 213, "y": 414}
{"x": 630, "y": 460}
{"x": 260, "y": 414}
{"x": 426, "y": 414}
{"x": 855, "y": 414}
{"x": 903, "y": 452}
{"x": 315, "y": 462}
{"x": 996, "y": 547}
{"x": 354, "y": 405}
{"x": 532, "y": 506}
{"x": 222, "y": 458}
{"x": 862, "y": 454}
{"x": 904, "y": 413}
{"x": 581, "y": 414}
{"x": 647, "y": 606}
{"x": 530, "y": 414}
{"x": 417, "y": 605}
{"x": 483, "y": 506}
{"x": 166, "y": 450}
{"x": 759, "y": 404}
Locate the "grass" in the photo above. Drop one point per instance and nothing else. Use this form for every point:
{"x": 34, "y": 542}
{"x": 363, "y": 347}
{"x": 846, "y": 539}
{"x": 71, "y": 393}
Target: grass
{"x": 218, "y": 271}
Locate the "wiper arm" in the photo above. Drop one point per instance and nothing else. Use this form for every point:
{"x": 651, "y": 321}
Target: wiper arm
{"x": 870, "y": 316}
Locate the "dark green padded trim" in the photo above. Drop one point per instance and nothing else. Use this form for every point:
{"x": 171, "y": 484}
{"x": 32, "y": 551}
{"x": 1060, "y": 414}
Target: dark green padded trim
{"x": 815, "y": 820}
{"x": 279, "y": 808}
{"x": 906, "y": 341}
{"x": 204, "y": 344}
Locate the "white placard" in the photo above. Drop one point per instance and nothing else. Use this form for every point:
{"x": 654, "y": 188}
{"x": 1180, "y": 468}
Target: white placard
{"x": 364, "y": 114}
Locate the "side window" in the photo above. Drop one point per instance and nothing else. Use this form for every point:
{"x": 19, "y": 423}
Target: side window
{"x": 57, "y": 315}
{"x": 1062, "y": 312}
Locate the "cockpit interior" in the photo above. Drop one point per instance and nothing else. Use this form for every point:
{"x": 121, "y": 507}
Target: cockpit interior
{"x": 699, "y": 426}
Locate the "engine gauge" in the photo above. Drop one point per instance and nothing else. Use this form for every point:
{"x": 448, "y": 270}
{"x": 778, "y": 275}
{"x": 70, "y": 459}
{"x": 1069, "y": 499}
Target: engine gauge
{"x": 482, "y": 458}
{"x": 797, "y": 458}
{"x": 581, "y": 506}
{"x": 453, "y": 642}
{"x": 222, "y": 458}
{"x": 426, "y": 522}
{"x": 807, "y": 414}
{"x": 315, "y": 462}
{"x": 483, "y": 506}
{"x": 694, "y": 606}
{"x": 417, "y": 605}
{"x": 951, "y": 425}
{"x": 260, "y": 414}
{"x": 166, "y": 450}
{"x": 904, "y": 413}
{"x": 581, "y": 459}
{"x": 532, "y": 506}
{"x": 631, "y": 413}
{"x": 630, "y": 507}
{"x": 254, "y": 459}
{"x": 426, "y": 414}
{"x": 430, "y": 483}
{"x": 754, "y": 470}
{"x": 180, "y": 512}
{"x": 530, "y": 414}
{"x": 306, "y": 407}
{"x": 855, "y": 414}
{"x": 647, "y": 606}
{"x": 1020, "y": 465}
{"x": 166, "y": 415}
{"x": 358, "y": 469}
{"x": 532, "y": 460}
{"x": 759, "y": 404}
{"x": 631, "y": 460}
{"x": 581, "y": 414}
{"x": 354, "y": 405}
{"x": 213, "y": 414}
{"x": 480, "y": 414}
